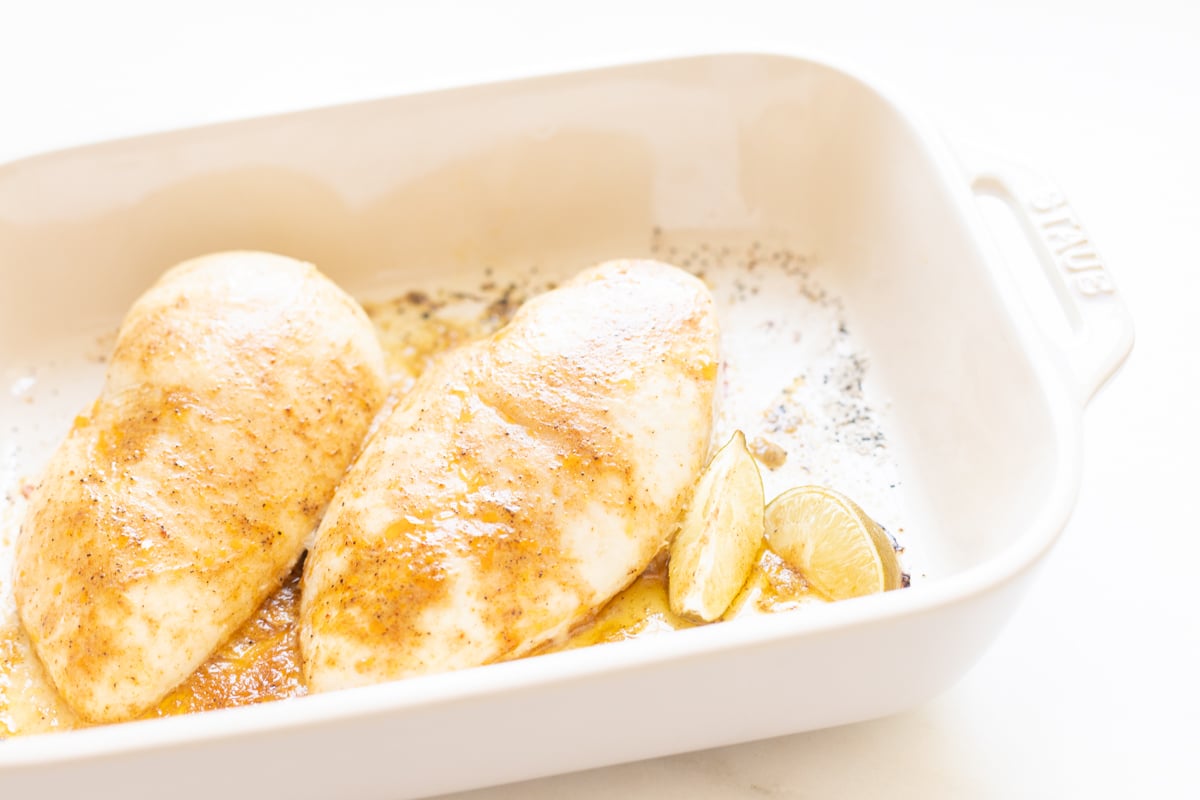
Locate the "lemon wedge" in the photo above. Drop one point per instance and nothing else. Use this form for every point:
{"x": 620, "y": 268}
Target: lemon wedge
{"x": 722, "y": 530}
{"x": 838, "y": 549}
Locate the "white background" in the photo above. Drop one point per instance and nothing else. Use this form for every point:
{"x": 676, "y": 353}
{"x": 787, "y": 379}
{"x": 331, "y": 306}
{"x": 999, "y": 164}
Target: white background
{"x": 1093, "y": 690}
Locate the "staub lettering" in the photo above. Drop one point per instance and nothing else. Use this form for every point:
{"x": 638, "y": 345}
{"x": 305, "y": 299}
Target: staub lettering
{"x": 1069, "y": 244}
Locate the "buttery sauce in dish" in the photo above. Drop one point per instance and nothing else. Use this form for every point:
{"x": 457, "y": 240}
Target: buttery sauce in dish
{"x": 803, "y": 409}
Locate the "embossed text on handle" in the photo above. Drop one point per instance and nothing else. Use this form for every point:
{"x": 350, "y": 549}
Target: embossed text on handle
{"x": 1069, "y": 244}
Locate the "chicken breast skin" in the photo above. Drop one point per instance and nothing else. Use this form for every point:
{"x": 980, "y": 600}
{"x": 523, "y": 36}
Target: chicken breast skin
{"x": 524, "y": 481}
{"x": 240, "y": 388}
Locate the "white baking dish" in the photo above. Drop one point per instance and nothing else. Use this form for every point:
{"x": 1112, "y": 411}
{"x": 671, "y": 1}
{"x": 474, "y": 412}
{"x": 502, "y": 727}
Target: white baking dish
{"x": 984, "y": 415}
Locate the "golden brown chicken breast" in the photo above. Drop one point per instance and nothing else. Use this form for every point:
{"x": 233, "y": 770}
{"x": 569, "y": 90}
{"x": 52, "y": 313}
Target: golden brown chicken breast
{"x": 524, "y": 481}
{"x": 240, "y": 388}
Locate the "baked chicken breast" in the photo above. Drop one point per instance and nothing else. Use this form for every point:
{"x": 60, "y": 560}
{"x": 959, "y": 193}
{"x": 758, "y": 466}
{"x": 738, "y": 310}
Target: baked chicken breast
{"x": 525, "y": 480}
{"x": 240, "y": 388}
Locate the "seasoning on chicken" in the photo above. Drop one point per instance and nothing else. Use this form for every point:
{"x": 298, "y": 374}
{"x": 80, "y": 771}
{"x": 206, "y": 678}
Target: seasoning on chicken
{"x": 525, "y": 480}
{"x": 240, "y": 388}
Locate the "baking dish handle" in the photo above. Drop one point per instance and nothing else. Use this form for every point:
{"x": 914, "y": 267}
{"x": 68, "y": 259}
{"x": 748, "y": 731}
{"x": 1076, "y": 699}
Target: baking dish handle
{"x": 1101, "y": 329}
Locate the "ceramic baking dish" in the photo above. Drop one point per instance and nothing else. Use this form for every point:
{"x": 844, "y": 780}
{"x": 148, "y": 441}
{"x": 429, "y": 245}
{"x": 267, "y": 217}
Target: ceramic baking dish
{"x": 983, "y": 404}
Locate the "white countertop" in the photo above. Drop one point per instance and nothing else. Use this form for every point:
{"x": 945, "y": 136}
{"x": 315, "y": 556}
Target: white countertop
{"x": 1092, "y": 690}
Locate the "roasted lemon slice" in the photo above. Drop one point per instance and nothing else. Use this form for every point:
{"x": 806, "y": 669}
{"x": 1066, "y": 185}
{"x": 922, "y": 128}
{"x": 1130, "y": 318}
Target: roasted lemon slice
{"x": 838, "y": 549}
{"x": 721, "y": 532}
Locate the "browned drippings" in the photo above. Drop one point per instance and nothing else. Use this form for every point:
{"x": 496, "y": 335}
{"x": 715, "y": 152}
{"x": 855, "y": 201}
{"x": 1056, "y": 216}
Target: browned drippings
{"x": 260, "y": 662}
